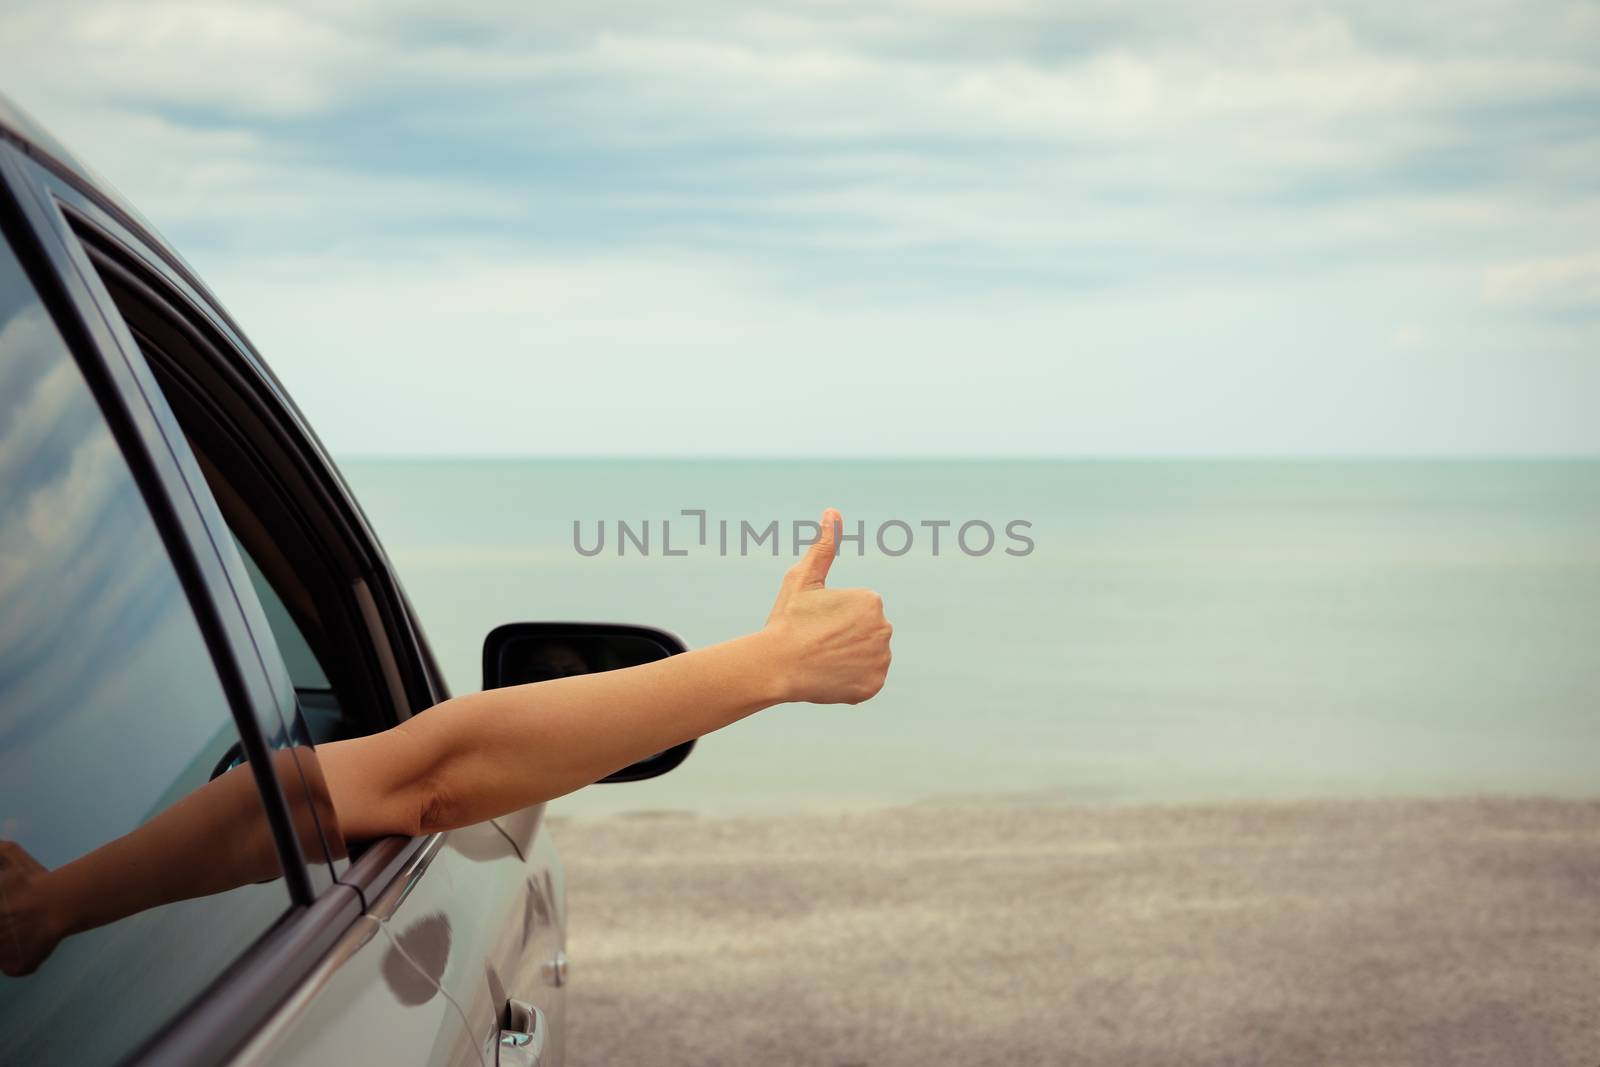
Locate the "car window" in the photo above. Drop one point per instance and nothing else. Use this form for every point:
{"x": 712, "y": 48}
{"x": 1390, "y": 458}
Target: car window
{"x": 321, "y": 710}
{"x": 305, "y": 670}
{"x": 111, "y": 711}
{"x": 302, "y": 571}
{"x": 299, "y": 598}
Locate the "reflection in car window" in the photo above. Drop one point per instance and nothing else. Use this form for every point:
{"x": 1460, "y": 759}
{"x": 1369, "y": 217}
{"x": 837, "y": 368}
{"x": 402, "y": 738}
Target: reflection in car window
{"x": 110, "y": 710}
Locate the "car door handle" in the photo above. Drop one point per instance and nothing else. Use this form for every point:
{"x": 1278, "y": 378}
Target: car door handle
{"x": 522, "y": 1038}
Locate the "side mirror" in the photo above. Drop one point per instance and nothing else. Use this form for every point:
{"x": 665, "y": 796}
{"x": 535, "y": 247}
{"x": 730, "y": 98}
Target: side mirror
{"x": 522, "y": 652}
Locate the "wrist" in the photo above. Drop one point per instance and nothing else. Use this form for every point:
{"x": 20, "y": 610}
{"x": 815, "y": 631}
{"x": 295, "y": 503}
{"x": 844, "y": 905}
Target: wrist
{"x": 774, "y": 664}
{"x": 50, "y": 904}
{"x": 31, "y": 923}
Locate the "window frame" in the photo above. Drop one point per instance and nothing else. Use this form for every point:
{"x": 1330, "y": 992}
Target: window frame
{"x": 317, "y": 490}
{"x": 276, "y": 976}
{"x": 281, "y": 442}
{"x": 219, "y": 416}
{"x": 34, "y": 193}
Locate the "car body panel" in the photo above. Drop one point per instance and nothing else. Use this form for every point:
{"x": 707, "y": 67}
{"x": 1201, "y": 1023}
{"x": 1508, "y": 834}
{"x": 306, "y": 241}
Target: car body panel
{"x": 370, "y": 1003}
{"x": 413, "y": 983}
{"x": 483, "y": 964}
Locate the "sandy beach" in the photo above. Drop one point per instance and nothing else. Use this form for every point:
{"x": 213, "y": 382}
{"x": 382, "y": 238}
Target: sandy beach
{"x": 1457, "y": 931}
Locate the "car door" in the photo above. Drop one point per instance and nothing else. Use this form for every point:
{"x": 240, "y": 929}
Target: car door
{"x": 137, "y": 919}
{"x": 457, "y": 955}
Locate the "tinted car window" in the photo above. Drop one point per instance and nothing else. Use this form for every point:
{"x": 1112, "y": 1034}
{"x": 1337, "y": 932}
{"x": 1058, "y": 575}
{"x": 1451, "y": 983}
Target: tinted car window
{"x": 323, "y": 703}
{"x": 110, "y": 712}
{"x": 319, "y": 706}
{"x": 305, "y": 670}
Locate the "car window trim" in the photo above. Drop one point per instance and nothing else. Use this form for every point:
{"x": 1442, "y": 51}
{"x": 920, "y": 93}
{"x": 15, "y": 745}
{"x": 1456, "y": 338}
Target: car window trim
{"x": 36, "y": 233}
{"x": 387, "y": 611}
{"x": 342, "y": 518}
{"x": 228, "y": 1011}
{"x": 400, "y": 863}
{"x": 198, "y": 376}
{"x": 256, "y": 990}
{"x": 380, "y": 861}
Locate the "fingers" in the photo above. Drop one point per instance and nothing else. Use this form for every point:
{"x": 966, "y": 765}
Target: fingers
{"x": 812, "y": 570}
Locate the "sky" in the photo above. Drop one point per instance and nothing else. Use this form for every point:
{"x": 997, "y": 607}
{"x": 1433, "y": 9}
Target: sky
{"x": 916, "y": 227}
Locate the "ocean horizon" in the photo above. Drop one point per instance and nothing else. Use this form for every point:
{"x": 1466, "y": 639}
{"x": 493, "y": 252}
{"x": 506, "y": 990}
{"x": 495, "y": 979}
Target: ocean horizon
{"x": 1132, "y": 630}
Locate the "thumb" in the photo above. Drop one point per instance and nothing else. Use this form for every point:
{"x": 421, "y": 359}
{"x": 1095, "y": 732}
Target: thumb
{"x": 812, "y": 569}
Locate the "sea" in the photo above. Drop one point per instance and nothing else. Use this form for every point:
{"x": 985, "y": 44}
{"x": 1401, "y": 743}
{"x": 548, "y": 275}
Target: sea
{"x": 1073, "y": 632}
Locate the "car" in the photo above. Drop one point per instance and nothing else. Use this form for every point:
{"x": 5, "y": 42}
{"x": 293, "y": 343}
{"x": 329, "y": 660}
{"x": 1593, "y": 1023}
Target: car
{"x": 193, "y": 601}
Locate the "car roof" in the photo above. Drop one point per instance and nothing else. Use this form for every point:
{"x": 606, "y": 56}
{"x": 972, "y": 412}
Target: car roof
{"x": 29, "y": 134}
{"x": 23, "y": 130}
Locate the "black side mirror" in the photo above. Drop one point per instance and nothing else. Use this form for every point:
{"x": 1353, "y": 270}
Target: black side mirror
{"x": 522, "y": 652}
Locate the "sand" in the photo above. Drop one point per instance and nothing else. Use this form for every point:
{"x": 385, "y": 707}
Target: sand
{"x": 1457, "y": 931}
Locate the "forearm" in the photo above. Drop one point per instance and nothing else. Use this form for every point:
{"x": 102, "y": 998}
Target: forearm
{"x": 484, "y": 754}
{"x": 160, "y": 861}
{"x": 464, "y": 761}
{"x": 156, "y": 864}
{"x": 505, "y": 749}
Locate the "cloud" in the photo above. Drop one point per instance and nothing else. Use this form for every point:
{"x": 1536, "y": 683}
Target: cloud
{"x": 1570, "y": 282}
{"x": 1408, "y": 338}
{"x": 825, "y": 164}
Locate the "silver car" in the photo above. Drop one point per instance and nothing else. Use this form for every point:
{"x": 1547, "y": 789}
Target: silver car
{"x": 192, "y": 602}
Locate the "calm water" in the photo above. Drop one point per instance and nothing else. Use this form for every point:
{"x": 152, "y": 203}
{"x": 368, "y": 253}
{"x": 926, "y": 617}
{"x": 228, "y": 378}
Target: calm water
{"x": 1181, "y": 631}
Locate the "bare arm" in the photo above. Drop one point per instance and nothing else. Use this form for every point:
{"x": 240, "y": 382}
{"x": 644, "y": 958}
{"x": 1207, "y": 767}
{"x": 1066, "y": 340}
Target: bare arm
{"x": 212, "y": 840}
{"x": 485, "y": 754}
{"x": 464, "y": 761}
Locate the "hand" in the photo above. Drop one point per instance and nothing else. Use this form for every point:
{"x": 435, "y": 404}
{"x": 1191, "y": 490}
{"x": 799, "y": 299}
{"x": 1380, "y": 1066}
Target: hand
{"x": 835, "y": 642}
{"x": 29, "y": 930}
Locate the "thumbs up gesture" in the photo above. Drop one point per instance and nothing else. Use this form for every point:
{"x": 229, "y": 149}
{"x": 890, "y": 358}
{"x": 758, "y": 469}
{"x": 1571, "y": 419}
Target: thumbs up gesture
{"x": 836, "y": 641}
